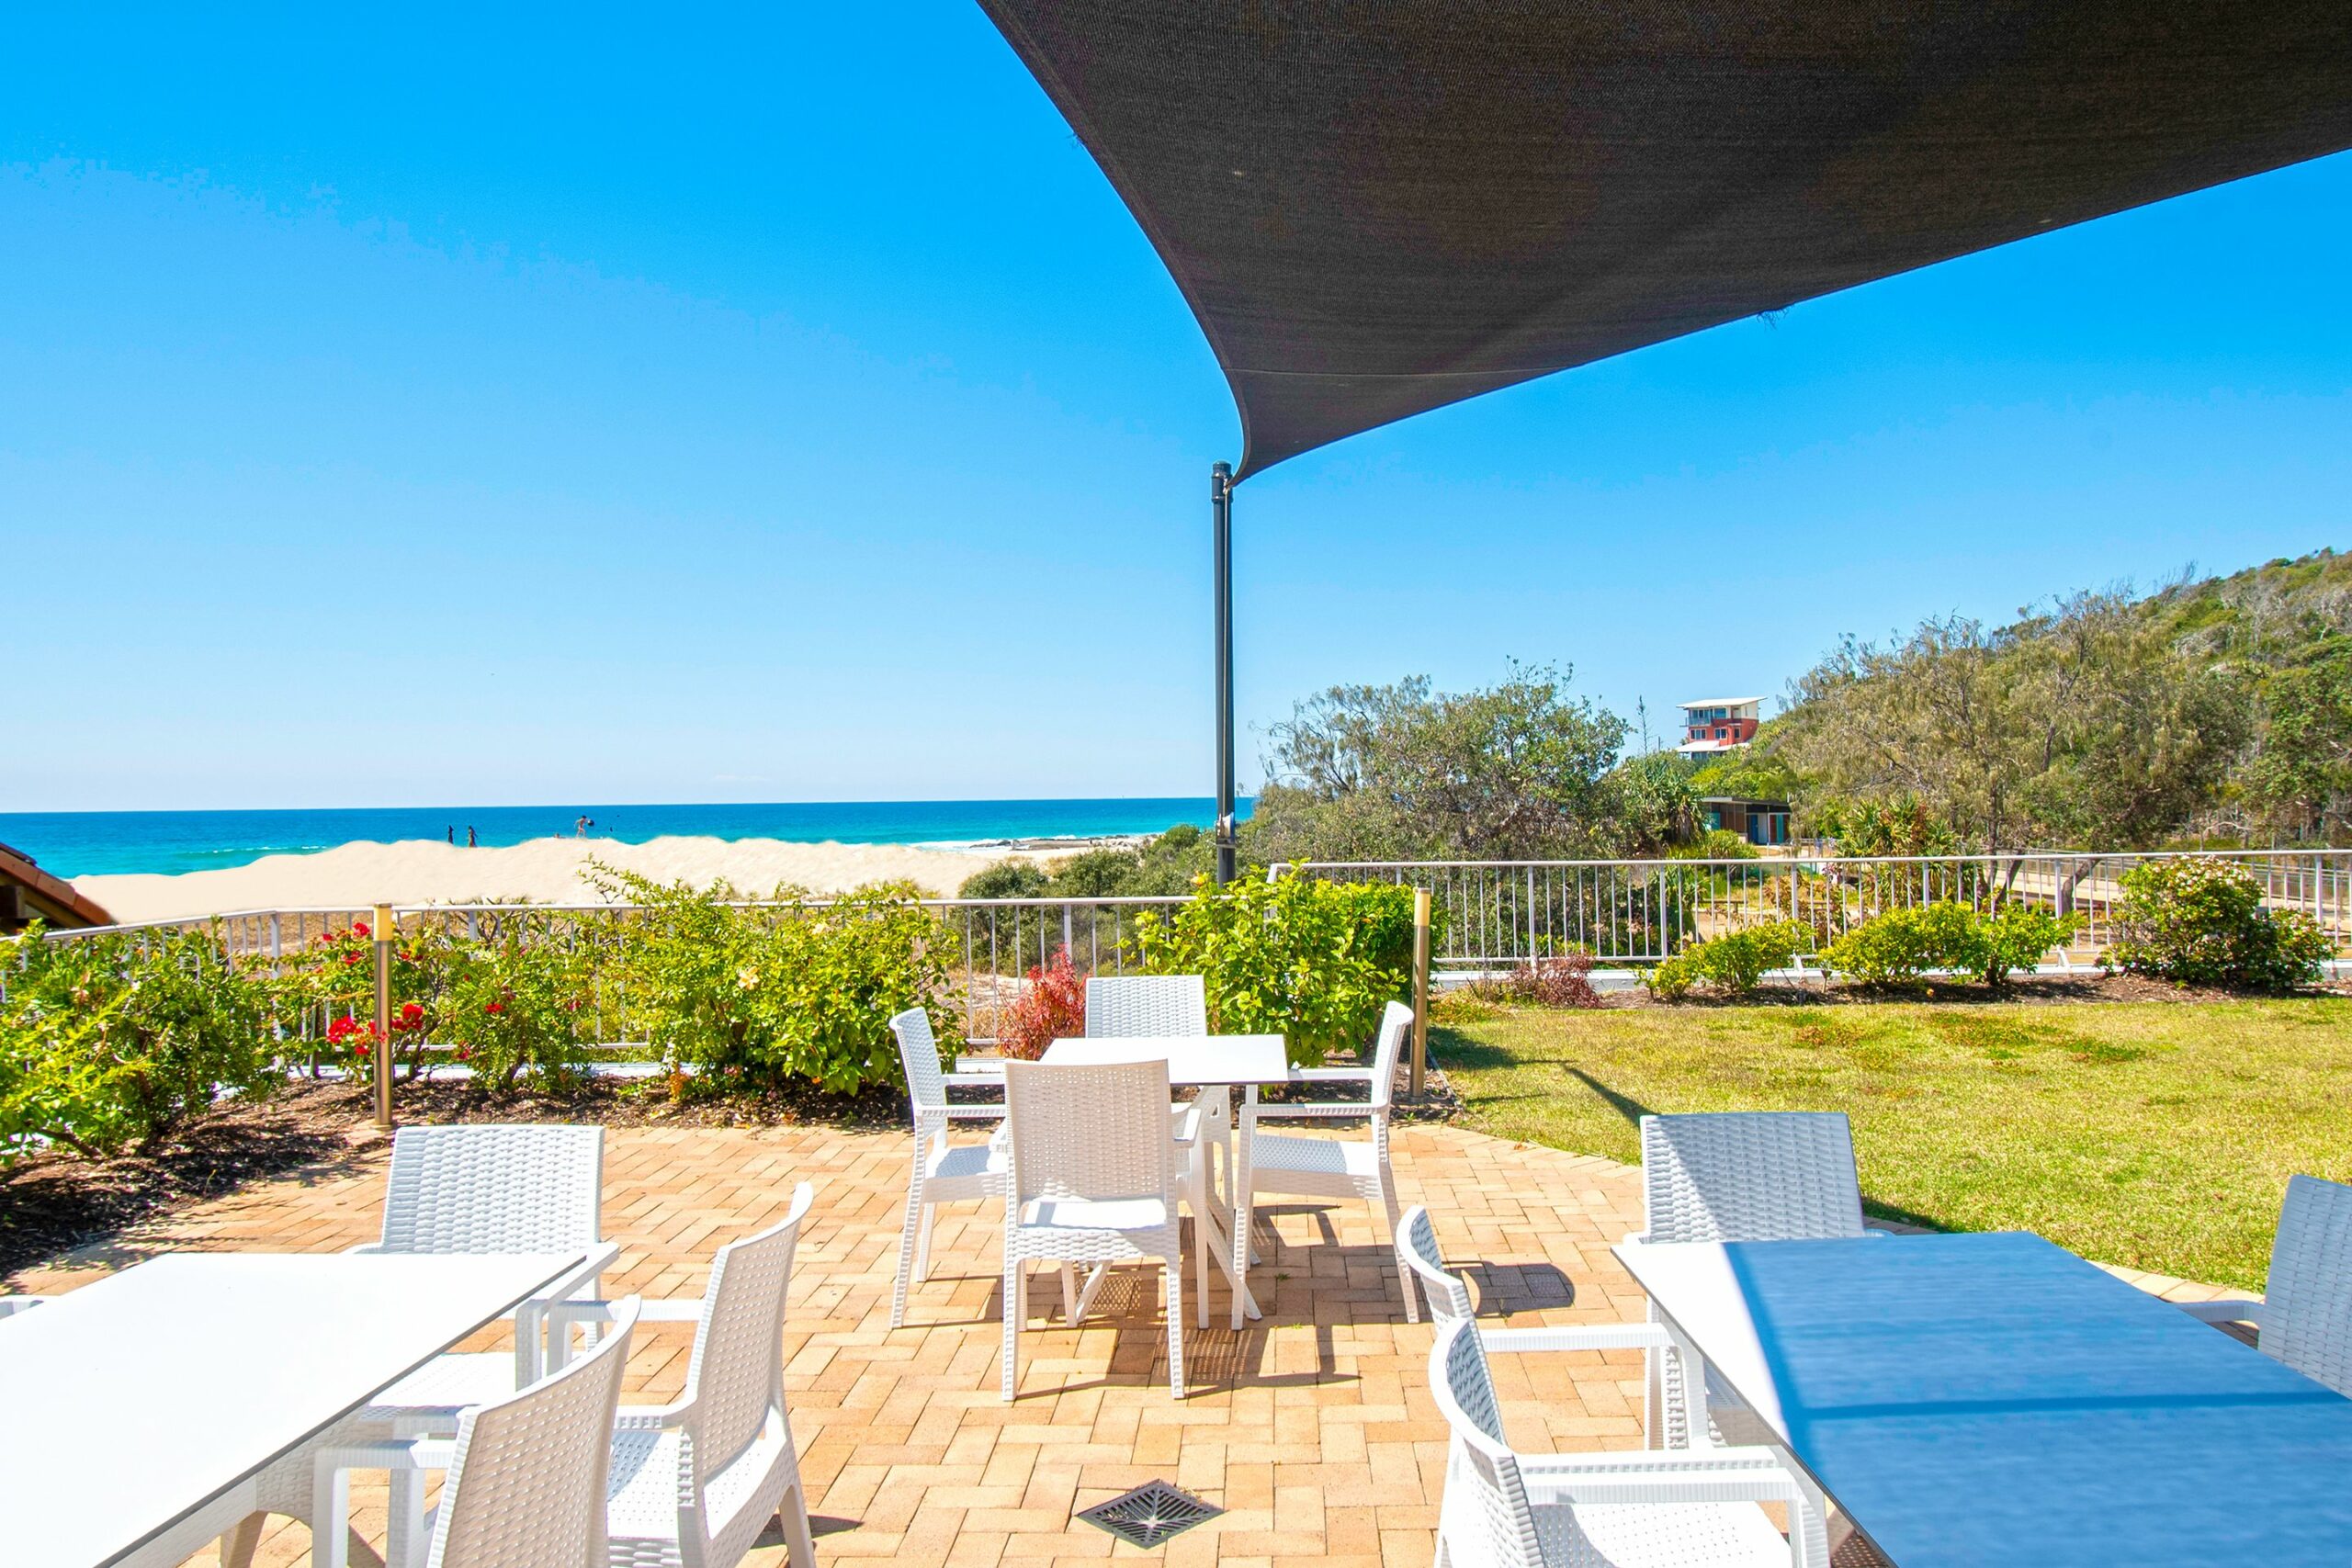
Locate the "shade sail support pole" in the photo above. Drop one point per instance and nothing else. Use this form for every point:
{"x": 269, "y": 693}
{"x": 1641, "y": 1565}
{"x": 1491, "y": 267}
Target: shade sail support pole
{"x": 1221, "y": 532}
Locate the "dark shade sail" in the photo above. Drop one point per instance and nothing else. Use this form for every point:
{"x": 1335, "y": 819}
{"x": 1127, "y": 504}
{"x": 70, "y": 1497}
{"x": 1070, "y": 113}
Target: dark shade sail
{"x": 1377, "y": 208}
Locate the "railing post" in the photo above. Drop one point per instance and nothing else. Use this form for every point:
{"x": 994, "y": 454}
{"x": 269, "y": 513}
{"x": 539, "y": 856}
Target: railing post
{"x": 382, "y": 1056}
{"x": 1420, "y": 990}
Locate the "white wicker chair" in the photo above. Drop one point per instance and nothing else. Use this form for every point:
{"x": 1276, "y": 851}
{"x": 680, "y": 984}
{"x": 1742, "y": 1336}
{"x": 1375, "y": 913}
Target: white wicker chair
{"x": 527, "y": 1474}
{"x": 1448, "y": 1301}
{"x": 1742, "y": 1175}
{"x": 1638, "y": 1510}
{"x": 1093, "y": 1182}
{"x": 1125, "y": 1006}
{"x": 2305, "y": 1319}
{"x": 942, "y": 1172}
{"x": 1334, "y": 1167}
{"x": 462, "y": 1189}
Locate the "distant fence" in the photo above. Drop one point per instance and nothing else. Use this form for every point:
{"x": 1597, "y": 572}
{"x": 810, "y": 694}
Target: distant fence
{"x": 1490, "y": 915}
{"x": 1495, "y": 914}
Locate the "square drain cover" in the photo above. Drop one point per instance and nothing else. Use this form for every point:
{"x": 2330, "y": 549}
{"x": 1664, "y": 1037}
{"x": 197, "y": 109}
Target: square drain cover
{"x": 1150, "y": 1514}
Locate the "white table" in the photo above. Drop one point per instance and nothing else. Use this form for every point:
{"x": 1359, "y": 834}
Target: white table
{"x": 135, "y": 1412}
{"x": 1216, "y": 1064}
{"x": 1975, "y": 1399}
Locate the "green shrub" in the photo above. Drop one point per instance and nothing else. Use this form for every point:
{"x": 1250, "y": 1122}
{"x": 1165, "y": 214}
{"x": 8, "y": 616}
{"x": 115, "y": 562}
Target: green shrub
{"x": 333, "y": 984}
{"x": 1312, "y": 961}
{"x": 2015, "y": 937}
{"x": 114, "y": 1041}
{"x": 2196, "y": 920}
{"x": 1716, "y": 844}
{"x": 1007, "y": 879}
{"x": 510, "y": 1003}
{"x": 1732, "y": 963}
{"x": 1899, "y": 946}
{"x": 753, "y": 997}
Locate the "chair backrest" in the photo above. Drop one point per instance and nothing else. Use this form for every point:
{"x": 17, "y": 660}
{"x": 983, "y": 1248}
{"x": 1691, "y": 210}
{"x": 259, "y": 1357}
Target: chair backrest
{"x": 1466, "y": 1395}
{"x": 1089, "y": 1132}
{"x": 1750, "y": 1176}
{"x": 1127, "y": 1004}
{"x": 1417, "y": 1249}
{"x": 526, "y": 1488}
{"x": 919, "y": 1057}
{"x": 2306, "y": 1308}
{"x": 494, "y": 1188}
{"x": 735, "y": 1376}
{"x": 1396, "y": 1023}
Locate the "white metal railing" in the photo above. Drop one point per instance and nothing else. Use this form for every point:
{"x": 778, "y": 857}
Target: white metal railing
{"x": 1497, "y": 913}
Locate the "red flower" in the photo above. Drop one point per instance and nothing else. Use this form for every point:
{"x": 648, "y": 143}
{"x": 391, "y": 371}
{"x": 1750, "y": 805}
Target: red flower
{"x": 412, "y": 1009}
{"x": 358, "y": 928}
{"x": 349, "y": 959}
{"x": 493, "y": 1006}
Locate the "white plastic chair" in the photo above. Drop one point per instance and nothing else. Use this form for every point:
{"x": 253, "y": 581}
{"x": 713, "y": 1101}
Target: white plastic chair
{"x": 2305, "y": 1319}
{"x": 1742, "y": 1175}
{"x": 1093, "y": 1182}
{"x": 11, "y": 1305}
{"x": 1335, "y": 1167}
{"x": 463, "y": 1188}
{"x": 1644, "y": 1508}
{"x": 527, "y": 1474}
{"x": 1125, "y": 1006}
{"x": 942, "y": 1172}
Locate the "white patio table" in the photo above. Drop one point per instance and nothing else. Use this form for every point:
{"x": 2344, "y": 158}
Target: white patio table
{"x": 139, "y": 1409}
{"x": 1216, "y": 1064}
{"x": 1992, "y": 1398}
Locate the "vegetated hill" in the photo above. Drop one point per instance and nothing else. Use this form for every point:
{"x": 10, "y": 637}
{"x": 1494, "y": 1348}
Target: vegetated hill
{"x": 2266, "y": 613}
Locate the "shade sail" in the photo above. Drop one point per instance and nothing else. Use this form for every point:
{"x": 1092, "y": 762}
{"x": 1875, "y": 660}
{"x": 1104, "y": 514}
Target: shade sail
{"x": 1375, "y": 209}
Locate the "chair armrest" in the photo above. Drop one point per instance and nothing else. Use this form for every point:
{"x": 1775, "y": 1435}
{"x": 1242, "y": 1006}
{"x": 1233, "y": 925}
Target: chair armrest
{"x": 1662, "y": 1476}
{"x": 1579, "y": 1337}
{"x": 394, "y": 1453}
{"x": 971, "y": 1112}
{"x": 2223, "y": 1312}
{"x": 1869, "y": 1229}
{"x": 672, "y": 1308}
{"x": 366, "y": 1246}
{"x": 653, "y": 1418}
{"x": 1322, "y": 1110}
{"x": 1186, "y": 1119}
{"x": 11, "y": 1305}
{"x": 1330, "y": 1074}
{"x": 975, "y": 1078}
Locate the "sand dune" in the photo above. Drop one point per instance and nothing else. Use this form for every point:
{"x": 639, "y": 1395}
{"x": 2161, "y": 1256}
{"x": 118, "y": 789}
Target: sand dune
{"x": 546, "y": 871}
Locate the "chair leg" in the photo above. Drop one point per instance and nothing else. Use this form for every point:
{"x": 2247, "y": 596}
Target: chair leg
{"x": 1016, "y": 1274}
{"x": 406, "y": 1541}
{"x": 1176, "y": 1318}
{"x": 1069, "y": 1294}
{"x": 330, "y": 1518}
{"x": 906, "y": 1243}
{"x": 1200, "y": 1263}
{"x": 801, "y": 1546}
{"x": 1404, "y": 1275}
{"x": 241, "y": 1541}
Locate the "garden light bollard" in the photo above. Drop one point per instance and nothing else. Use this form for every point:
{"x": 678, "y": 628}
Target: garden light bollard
{"x": 381, "y": 1057}
{"x": 1420, "y": 989}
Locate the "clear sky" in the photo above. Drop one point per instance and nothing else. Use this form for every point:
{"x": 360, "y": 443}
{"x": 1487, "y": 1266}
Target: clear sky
{"x": 663, "y": 405}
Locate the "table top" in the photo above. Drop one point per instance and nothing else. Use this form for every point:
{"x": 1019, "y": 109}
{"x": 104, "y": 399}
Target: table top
{"x": 1974, "y": 1399}
{"x": 1204, "y": 1060}
{"x": 129, "y": 1403}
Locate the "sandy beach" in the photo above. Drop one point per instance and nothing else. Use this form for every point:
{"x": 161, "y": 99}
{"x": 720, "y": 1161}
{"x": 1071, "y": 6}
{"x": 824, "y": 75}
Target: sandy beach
{"x": 545, "y": 871}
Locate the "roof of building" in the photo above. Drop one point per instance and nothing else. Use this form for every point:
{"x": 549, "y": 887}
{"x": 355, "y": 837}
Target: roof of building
{"x": 49, "y": 899}
{"x": 1718, "y": 702}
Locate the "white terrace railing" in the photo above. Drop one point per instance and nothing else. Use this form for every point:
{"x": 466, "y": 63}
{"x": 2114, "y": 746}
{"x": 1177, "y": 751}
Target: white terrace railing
{"x": 1494, "y": 914}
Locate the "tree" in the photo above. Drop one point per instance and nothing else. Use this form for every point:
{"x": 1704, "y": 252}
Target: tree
{"x": 2301, "y": 778}
{"x": 1513, "y": 770}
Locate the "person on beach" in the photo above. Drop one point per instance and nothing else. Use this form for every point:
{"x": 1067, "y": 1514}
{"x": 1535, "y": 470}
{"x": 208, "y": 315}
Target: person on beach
{"x": 470, "y": 835}
{"x": 580, "y": 829}
{"x": 453, "y": 833}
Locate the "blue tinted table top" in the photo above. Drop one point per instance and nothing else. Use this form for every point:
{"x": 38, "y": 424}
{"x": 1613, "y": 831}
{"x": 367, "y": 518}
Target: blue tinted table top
{"x": 1993, "y": 1399}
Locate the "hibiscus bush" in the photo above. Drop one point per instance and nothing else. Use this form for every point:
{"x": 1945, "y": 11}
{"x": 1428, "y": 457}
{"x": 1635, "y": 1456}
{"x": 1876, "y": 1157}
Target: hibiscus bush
{"x": 1312, "y": 961}
{"x": 113, "y": 1042}
{"x": 331, "y": 986}
{"x": 515, "y": 1003}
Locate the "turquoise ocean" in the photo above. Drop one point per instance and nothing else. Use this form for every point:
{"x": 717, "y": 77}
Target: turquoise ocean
{"x": 90, "y": 843}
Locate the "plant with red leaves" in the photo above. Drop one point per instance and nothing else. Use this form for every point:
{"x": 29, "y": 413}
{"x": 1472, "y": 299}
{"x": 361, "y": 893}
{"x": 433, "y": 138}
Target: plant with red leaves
{"x": 1052, "y": 1006}
{"x": 1561, "y": 980}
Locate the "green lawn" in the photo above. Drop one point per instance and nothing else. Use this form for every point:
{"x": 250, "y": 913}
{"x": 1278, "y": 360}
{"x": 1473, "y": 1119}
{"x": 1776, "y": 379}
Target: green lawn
{"x": 2158, "y": 1135}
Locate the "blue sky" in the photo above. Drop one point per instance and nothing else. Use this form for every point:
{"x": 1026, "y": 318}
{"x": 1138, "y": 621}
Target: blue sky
{"x": 610, "y": 407}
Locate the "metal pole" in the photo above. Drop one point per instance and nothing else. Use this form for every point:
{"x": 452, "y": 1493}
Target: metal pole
{"x": 381, "y": 1056}
{"x": 1221, "y": 529}
{"x": 1420, "y": 990}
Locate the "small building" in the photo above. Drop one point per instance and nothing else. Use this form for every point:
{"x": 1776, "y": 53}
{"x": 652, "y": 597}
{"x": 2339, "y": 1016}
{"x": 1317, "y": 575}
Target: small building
{"x": 1760, "y": 822}
{"x": 29, "y": 893}
{"x": 1718, "y": 724}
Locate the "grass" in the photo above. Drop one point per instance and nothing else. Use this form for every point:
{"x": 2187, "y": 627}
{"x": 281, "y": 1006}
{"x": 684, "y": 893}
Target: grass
{"x": 2158, "y": 1135}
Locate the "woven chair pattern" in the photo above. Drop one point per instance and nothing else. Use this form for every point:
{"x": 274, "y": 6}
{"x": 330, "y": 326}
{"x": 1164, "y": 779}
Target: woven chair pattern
{"x": 1417, "y": 1249}
{"x": 729, "y": 1450}
{"x": 1124, "y": 1006}
{"x": 1648, "y": 1510}
{"x": 2307, "y": 1314}
{"x": 942, "y": 1172}
{"x": 493, "y": 1189}
{"x": 1083, "y": 1137}
{"x": 528, "y": 1483}
{"x": 1750, "y": 1176}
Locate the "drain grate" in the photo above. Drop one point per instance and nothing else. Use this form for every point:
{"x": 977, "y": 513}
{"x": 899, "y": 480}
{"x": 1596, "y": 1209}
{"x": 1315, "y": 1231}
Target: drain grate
{"x": 1150, "y": 1514}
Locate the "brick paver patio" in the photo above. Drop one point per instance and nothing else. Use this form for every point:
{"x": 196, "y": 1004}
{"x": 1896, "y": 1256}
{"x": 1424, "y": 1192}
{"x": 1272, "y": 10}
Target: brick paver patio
{"x": 1314, "y": 1430}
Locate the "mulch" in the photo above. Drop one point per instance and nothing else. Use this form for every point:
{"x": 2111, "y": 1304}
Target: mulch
{"x": 2090, "y": 985}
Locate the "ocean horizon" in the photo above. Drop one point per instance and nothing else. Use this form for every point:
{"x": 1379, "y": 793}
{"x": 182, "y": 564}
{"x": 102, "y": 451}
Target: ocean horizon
{"x": 101, "y": 843}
